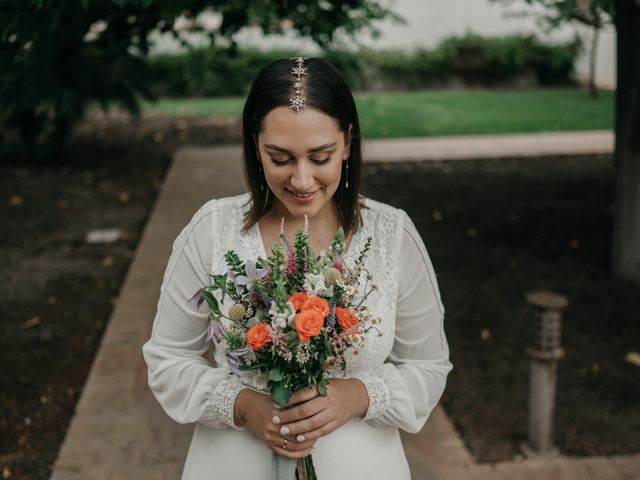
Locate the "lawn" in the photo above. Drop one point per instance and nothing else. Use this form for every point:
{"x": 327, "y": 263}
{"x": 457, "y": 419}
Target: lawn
{"x": 446, "y": 112}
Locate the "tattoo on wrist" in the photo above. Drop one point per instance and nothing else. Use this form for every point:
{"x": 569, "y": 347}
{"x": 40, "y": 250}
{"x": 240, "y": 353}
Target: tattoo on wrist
{"x": 242, "y": 418}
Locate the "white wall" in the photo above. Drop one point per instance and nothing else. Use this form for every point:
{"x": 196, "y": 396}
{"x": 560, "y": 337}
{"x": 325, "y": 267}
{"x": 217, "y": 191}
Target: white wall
{"x": 429, "y": 21}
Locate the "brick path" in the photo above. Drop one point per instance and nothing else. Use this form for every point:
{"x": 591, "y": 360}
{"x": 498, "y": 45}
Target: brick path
{"x": 119, "y": 432}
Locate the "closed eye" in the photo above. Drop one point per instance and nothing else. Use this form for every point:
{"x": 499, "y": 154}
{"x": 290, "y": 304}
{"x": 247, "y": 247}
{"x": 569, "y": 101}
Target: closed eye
{"x": 281, "y": 162}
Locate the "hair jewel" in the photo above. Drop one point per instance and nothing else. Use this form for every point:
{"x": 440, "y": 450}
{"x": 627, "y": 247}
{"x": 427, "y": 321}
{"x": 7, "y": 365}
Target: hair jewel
{"x": 298, "y": 102}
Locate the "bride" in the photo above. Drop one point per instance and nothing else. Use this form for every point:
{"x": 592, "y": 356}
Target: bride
{"x": 302, "y": 156}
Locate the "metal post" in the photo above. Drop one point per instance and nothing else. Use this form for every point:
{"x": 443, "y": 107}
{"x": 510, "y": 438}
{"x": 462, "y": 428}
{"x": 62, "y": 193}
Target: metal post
{"x": 544, "y": 353}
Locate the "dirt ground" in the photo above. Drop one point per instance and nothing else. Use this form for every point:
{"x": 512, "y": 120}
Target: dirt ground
{"x": 494, "y": 229}
{"x": 58, "y": 291}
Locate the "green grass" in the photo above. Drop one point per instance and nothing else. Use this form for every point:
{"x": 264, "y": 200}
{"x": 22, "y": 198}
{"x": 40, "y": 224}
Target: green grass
{"x": 427, "y": 113}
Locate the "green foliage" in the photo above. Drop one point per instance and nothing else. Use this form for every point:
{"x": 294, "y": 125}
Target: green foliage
{"x": 337, "y": 245}
{"x": 234, "y": 264}
{"x": 471, "y": 59}
{"x": 554, "y": 13}
{"x": 213, "y": 71}
{"x": 58, "y": 57}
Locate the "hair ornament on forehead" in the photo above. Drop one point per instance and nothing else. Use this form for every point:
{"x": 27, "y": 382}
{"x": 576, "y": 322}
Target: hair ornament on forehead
{"x": 298, "y": 102}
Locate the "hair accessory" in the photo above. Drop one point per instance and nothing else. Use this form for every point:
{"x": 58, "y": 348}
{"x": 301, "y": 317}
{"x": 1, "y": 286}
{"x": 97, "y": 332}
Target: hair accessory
{"x": 297, "y": 102}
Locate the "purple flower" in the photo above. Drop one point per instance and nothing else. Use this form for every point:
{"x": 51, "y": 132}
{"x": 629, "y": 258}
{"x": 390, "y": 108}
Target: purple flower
{"x": 253, "y": 275}
{"x": 235, "y": 360}
{"x": 214, "y": 331}
{"x": 198, "y": 295}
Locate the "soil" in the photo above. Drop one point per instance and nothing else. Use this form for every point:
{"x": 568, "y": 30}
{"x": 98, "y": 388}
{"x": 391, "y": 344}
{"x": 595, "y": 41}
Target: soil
{"x": 494, "y": 229}
{"x": 58, "y": 290}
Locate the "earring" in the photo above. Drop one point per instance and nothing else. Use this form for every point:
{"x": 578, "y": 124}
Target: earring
{"x": 346, "y": 177}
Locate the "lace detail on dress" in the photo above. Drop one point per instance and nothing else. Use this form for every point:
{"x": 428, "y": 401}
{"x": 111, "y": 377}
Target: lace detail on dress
{"x": 378, "y": 396}
{"x": 380, "y": 222}
{"x": 223, "y": 400}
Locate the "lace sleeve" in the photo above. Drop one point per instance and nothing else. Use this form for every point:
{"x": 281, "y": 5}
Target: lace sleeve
{"x": 414, "y": 375}
{"x": 185, "y": 384}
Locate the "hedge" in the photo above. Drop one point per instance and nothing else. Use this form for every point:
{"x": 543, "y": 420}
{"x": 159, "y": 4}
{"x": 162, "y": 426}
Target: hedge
{"x": 470, "y": 60}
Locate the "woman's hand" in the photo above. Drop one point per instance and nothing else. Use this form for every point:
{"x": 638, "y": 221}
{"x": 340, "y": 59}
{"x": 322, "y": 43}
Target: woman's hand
{"x": 310, "y": 416}
{"x": 258, "y": 412}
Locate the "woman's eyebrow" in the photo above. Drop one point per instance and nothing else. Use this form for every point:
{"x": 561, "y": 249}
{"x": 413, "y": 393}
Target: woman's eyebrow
{"x": 311, "y": 150}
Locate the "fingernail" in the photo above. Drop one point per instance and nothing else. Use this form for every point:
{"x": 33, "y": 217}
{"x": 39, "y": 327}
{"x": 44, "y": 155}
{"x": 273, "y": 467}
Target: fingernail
{"x": 284, "y": 430}
{"x": 300, "y": 438}
{"x": 277, "y": 406}
{"x": 276, "y": 420}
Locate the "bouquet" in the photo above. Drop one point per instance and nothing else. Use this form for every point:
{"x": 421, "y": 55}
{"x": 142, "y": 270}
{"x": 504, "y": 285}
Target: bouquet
{"x": 293, "y": 317}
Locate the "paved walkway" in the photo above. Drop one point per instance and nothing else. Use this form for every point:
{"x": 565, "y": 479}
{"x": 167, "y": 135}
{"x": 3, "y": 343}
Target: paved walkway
{"x": 119, "y": 432}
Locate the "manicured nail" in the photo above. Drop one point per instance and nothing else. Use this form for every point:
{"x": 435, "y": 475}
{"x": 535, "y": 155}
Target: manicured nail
{"x": 284, "y": 430}
{"x": 276, "y": 420}
{"x": 300, "y": 438}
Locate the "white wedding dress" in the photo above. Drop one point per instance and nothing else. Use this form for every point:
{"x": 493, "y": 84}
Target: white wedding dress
{"x": 404, "y": 370}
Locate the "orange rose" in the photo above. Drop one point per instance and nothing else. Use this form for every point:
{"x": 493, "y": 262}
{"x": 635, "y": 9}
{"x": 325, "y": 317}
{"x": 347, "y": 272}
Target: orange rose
{"x": 318, "y": 304}
{"x": 298, "y": 300}
{"x": 308, "y": 324}
{"x": 346, "y": 318}
{"x": 258, "y": 335}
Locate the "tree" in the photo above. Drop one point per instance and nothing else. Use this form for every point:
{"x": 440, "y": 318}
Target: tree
{"x": 58, "y": 57}
{"x": 626, "y": 19}
{"x": 596, "y": 14}
{"x": 626, "y": 237}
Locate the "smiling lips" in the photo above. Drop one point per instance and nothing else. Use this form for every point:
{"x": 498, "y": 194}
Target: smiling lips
{"x": 302, "y": 197}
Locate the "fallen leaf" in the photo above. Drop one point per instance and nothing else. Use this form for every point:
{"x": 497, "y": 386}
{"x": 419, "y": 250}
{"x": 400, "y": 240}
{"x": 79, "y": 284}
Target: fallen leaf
{"x": 15, "y": 200}
{"x": 52, "y": 300}
{"x": 485, "y": 334}
{"x": 123, "y": 197}
{"x": 633, "y": 358}
{"x": 44, "y": 399}
{"x": 437, "y": 215}
{"x": 158, "y": 137}
{"x": 32, "y": 322}
{"x": 6, "y": 473}
{"x": 107, "y": 261}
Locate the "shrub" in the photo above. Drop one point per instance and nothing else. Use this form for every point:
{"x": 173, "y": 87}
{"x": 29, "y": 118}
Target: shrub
{"x": 472, "y": 60}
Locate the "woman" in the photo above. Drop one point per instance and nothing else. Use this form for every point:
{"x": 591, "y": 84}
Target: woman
{"x": 302, "y": 156}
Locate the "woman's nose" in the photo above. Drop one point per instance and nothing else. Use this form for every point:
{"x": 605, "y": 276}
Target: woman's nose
{"x": 302, "y": 178}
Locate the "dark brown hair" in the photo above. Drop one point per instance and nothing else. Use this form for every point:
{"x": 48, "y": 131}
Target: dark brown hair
{"x": 325, "y": 90}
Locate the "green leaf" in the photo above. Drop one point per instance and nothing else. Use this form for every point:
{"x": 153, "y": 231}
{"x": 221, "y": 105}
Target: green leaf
{"x": 322, "y": 387}
{"x": 280, "y": 393}
{"x": 276, "y": 375}
{"x": 212, "y": 302}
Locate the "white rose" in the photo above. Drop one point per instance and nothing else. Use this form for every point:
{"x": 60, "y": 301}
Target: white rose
{"x": 280, "y": 322}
